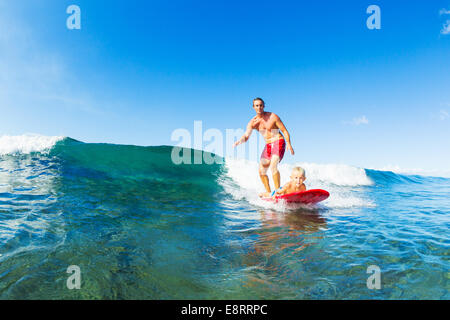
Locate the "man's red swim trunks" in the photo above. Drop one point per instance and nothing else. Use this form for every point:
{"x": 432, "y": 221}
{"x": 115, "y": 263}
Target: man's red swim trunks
{"x": 275, "y": 148}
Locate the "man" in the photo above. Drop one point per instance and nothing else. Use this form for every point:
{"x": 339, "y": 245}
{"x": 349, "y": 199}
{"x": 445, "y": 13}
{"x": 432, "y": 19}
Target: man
{"x": 269, "y": 125}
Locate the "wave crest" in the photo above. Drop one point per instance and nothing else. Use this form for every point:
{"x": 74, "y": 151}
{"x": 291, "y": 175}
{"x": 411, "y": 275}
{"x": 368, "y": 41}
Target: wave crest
{"x": 338, "y": 179}
{"x": 27, "y": 143}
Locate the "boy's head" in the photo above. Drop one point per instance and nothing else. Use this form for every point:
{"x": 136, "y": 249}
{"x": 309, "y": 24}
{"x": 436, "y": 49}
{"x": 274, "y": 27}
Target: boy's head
{"x": 298, "y": 175}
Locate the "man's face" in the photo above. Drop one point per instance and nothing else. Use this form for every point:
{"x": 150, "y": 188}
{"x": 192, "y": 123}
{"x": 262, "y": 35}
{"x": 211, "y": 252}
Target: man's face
{"x": 258, "y": 105}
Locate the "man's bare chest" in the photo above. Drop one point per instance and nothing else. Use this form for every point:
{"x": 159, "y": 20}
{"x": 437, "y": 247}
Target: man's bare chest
{"x": 265, "y": 125}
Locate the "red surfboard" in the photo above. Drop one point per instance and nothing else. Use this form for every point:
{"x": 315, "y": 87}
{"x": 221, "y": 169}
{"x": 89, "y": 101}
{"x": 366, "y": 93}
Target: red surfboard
{"x": 306, "y": 197}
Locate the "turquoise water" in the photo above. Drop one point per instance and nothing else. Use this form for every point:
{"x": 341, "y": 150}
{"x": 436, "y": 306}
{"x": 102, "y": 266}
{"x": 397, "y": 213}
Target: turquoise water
{"x": 140, "y": 227}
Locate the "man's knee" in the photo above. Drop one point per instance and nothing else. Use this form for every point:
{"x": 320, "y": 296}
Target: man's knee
{"x": 263, "y": 170}
{"x": 274, "y": 166}
{"x": 263, "y": 167}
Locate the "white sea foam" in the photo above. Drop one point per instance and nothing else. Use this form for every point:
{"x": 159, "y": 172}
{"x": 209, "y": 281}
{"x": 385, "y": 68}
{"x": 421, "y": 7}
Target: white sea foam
{"x": 26, "y": 143}
{"x": 340, "y": 180}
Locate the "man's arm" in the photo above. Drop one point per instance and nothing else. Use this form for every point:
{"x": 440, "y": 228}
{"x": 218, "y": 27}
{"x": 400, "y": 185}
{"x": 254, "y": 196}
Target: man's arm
{"x": 247, "y": 134}
{"x": 286, "y": 135}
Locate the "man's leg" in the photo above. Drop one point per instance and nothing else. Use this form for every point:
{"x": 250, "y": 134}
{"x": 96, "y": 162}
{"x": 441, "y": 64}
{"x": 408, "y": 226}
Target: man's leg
{"x": 263, "y": 166}
{"x": 275, "y": 173}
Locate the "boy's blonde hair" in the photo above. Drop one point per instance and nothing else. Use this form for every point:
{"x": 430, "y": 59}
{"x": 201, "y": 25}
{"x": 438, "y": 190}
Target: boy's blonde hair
{"x": 299, "y": 170}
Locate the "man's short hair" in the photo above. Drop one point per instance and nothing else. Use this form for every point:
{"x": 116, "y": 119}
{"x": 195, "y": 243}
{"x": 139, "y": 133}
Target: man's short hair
{"x": 260, "y": 99}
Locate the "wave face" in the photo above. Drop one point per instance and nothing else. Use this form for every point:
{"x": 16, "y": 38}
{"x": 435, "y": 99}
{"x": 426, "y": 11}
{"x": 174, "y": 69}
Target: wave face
{"x": 141, "y": 227}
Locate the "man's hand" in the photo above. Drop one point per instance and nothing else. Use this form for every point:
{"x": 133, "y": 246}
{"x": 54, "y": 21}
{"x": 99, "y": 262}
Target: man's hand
{"x": 255, "y": 121}
{"x": 290, "y": 149}
{"x": 283, "y": 129}
{"x": 237, "y": 143}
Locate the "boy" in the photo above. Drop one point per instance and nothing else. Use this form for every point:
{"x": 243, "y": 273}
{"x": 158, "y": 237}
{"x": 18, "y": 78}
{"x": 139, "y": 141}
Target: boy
{"x": 295, "y": 185}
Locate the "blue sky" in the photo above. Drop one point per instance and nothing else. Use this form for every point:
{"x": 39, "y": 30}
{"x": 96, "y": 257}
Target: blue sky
{"x": 138, "y": 70}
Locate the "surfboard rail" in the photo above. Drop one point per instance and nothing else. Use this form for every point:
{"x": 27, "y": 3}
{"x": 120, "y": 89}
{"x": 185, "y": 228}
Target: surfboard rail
{"x": 305, "y": 197}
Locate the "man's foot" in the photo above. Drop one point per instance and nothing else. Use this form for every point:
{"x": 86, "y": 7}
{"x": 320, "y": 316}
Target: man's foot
{"x": 265, "y": 195}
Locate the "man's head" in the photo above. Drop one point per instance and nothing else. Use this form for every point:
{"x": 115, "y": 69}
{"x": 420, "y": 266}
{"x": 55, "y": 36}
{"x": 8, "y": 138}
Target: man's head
{"x": 258, "y": 105}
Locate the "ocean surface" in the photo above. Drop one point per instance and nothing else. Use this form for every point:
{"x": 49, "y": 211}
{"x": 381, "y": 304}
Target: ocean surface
{"x": 140, "y": 227}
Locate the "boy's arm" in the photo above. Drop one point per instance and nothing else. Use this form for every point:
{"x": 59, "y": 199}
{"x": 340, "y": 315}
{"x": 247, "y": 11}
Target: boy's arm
{"x": 283, "y": 190}
{"x": 247, "y": 134}
{"x": 286, "y": 135}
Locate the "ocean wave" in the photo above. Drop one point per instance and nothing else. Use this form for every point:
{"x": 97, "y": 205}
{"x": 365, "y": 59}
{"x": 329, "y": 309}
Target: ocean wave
{"x": 27, "y": 143}
{"x": 349, "y": 186}
{"x": 416, "y": 172}
{"x": 340, "y": 180}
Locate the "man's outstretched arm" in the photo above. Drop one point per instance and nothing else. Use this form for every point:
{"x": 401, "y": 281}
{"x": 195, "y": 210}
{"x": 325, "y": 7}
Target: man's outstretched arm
{"x": 286, "y": 135}
{"x": 246, "y": 136}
